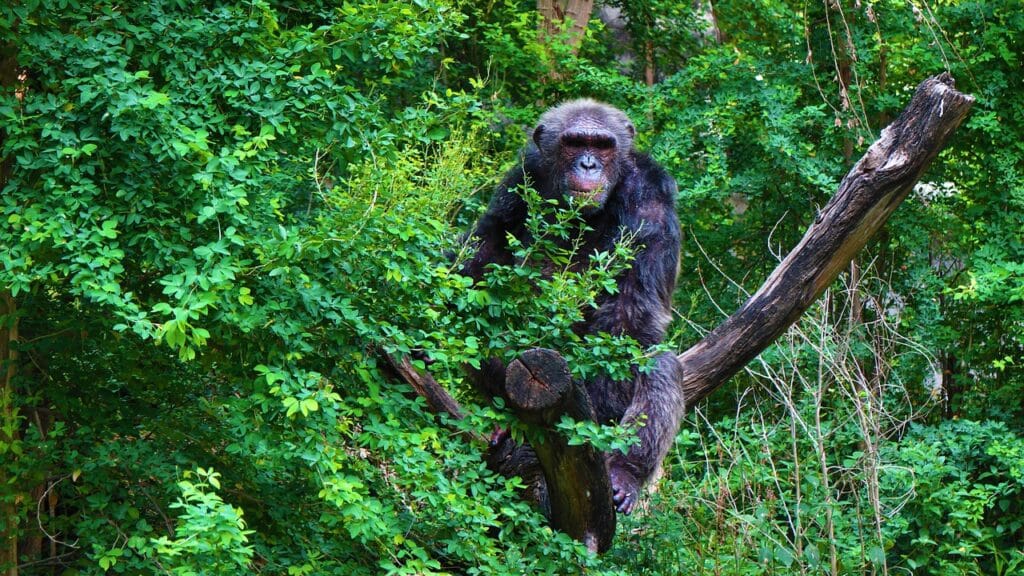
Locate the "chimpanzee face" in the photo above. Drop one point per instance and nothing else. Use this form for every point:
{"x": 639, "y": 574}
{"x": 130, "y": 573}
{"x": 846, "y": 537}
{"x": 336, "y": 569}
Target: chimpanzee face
{"x": 584, "y": 143}
{"x": 589, "y": 164}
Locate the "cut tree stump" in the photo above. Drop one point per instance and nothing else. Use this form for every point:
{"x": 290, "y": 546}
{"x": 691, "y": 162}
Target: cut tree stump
{"x": 540, "y": 391}
{"x": 537, "y": 380}
{"x": 538, "y": 386}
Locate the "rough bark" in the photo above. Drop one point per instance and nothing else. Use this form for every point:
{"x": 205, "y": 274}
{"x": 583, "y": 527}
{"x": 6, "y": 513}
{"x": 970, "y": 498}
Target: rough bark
{"x": 867, "y": 196}
{"x": 539, "y": 388}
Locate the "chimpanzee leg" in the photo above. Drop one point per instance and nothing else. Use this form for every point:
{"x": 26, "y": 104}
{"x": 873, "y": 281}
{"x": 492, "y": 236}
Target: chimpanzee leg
{"x": 659, "y": 404}
{"x": 489, "y": 379}
{"x": 504, "y": 455}
{"x": 508, "y": 458}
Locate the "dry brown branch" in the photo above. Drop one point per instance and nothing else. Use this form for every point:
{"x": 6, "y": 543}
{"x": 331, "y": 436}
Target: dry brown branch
{"x": 867, "y": 196}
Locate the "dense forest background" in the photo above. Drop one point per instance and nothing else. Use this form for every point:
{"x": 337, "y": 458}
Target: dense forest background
{"x": 215, "y": 214}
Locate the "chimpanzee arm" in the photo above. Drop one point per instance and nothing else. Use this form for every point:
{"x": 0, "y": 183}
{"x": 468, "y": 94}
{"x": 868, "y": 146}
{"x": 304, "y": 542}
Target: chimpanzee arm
{"x": 506, "y": 213}
{"x": 642, "y": 309}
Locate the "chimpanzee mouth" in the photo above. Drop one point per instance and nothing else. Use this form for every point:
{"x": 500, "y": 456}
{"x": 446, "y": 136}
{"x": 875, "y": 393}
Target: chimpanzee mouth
{"x": 584, "y": 186}
{"x": 593, "y": 198}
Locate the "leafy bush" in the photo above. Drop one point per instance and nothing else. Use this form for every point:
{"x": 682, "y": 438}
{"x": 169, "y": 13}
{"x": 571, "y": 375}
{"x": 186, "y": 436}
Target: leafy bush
{"x": 967, "y": 516}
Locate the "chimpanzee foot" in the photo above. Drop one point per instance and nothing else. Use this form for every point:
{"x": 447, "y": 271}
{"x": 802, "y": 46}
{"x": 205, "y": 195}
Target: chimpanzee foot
{"x": 625, "y": 489}
{"x": 499, "y": 436}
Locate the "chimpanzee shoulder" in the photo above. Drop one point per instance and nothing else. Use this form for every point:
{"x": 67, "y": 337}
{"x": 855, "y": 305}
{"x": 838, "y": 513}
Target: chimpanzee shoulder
{"x": 646, "y": 200}
{"x": 655, "y": 183}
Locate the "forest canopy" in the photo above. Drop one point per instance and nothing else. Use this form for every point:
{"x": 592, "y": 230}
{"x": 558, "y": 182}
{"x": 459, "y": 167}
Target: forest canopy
{"x": 217, "y": 216}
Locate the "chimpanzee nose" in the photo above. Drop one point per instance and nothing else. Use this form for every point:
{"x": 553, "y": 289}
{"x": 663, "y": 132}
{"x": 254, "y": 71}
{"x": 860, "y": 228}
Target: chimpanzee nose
{"x": 587, "y": 162}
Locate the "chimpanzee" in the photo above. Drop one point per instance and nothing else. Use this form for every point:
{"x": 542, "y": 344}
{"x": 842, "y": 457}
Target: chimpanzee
{"x": 584, "y": 149}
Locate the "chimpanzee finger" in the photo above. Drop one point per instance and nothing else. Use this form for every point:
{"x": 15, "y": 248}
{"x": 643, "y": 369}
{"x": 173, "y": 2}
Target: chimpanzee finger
{"x": 499, "y": 435}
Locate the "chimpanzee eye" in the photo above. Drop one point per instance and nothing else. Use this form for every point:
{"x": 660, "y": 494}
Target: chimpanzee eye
{"x": 598, "y": 141}
{"x": 574, "y": 141}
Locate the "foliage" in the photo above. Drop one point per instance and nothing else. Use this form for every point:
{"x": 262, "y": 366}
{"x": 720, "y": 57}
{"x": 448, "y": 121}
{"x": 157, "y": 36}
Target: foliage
{"x": 210, "y": 536}
{"x": 968, "y": 517}
{"x": 216, "y": 216}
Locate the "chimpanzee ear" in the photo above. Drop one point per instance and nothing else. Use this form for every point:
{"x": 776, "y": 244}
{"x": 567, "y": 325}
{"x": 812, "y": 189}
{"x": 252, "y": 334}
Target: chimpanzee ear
{"x": 631, "y": 129}
{"x": 537, "y": 133}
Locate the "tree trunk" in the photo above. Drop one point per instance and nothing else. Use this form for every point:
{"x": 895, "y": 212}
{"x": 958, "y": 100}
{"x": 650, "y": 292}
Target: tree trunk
{"x": 8, "y": 435}
{"x": 8, "y": 357}
{"x": 540, "y": 391}
{"x": 553, "y": 16}
{"x": 649, "y": 73}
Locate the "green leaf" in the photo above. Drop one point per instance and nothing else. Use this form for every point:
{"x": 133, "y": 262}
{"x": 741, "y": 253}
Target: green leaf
{"x": 108, "y": 229}
{"x": 438, "y": 133}
{"x": 155, "y": 99}
{"x": 309, "y": 405}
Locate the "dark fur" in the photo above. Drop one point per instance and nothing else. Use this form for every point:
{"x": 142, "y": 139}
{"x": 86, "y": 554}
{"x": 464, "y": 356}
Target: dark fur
{"x": 586, "y": 141}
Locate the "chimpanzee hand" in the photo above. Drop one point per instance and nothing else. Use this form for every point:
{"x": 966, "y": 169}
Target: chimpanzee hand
{"x": 625, "y": 489}
{"x": 421, "y": 354}
{"x": 499, "y": 448}
{"x": 509, "y": 459}
{"x": 499, "y": 437}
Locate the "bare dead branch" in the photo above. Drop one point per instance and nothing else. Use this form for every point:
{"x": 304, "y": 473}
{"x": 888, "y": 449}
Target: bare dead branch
{"x": 867, "y": 196}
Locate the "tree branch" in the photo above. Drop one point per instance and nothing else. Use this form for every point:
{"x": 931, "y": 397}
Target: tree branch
{"x": 867, "y": 196}
{"x": 438, "y": 399}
